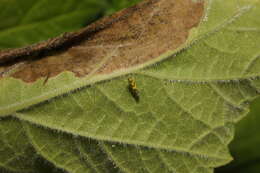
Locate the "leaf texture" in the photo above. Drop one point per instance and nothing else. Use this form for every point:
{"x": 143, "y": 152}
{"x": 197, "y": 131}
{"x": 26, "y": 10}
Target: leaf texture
{"x": 190, "y": 98}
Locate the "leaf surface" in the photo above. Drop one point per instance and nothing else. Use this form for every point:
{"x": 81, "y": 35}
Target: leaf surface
{"x": 110, "y": 47}
{"x": 22, "y": 22}
{"x": 191, "y": 94}
{"x": 15, "y": 147}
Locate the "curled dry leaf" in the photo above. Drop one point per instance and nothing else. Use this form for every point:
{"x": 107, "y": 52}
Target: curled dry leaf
{"x": 129, "y": 38}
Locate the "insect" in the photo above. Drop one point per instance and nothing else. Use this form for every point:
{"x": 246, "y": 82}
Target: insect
{"x": 133, "y": 89}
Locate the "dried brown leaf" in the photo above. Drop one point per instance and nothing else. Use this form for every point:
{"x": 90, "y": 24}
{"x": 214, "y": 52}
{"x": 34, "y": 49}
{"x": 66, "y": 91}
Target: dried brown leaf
{"x": 128, "y": 38}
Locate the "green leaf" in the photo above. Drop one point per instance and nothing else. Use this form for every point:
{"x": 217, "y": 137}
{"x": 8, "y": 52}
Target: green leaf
{"x": 17, "y": 154}
{"x": 30, "y": 21}
{"x": 69, "y": 153}
{"x": 189, "y": 102}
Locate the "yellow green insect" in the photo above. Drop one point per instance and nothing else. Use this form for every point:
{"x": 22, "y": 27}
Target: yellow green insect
{"x": 133, "y": 89}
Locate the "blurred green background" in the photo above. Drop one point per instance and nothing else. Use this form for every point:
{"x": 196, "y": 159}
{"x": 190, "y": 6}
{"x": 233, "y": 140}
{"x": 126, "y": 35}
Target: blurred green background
{"x": 24, "y": 22}
{"x": 245, "y": 148}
